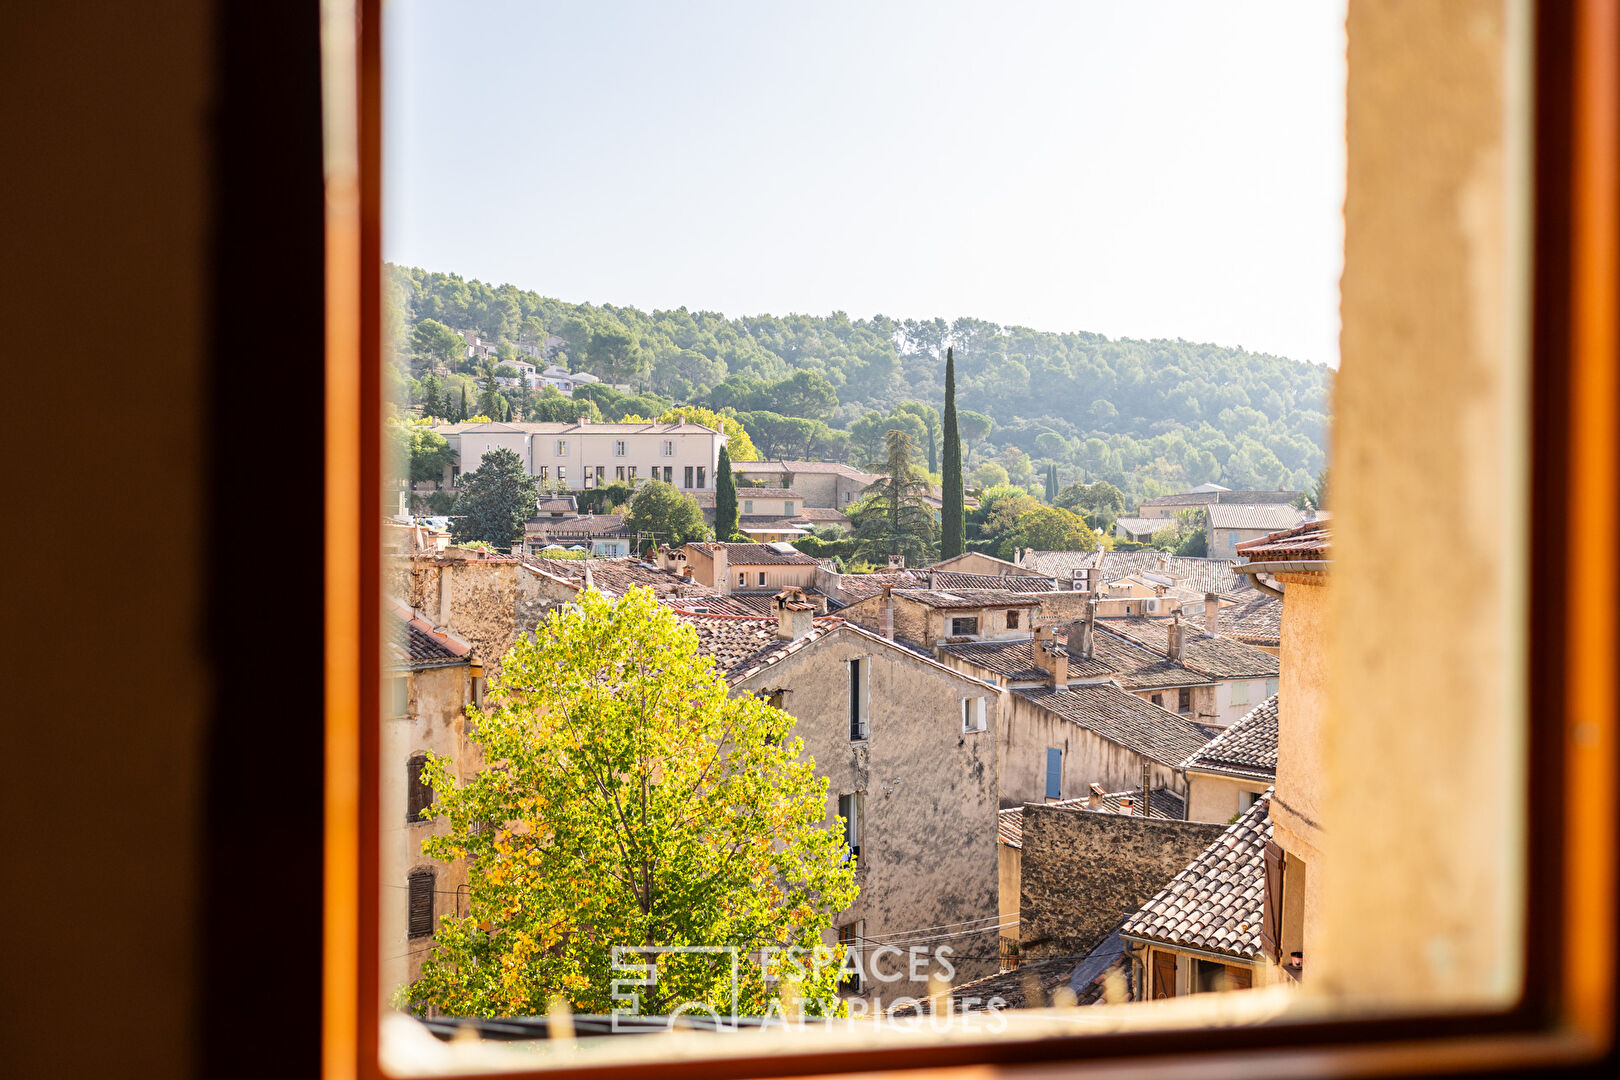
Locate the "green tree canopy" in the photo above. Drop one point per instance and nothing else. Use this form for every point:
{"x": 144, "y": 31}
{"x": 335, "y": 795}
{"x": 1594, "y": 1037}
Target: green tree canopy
{"x": 634, "y": 803}
{"x": 892, "y": 516}
{"x": 665, "y": 515}
{"x": 493, "y": 501}
{"x": 436, "y": 345}
{"x": 974, "y": 427}
{"x": 1100, "y": 503}
{"x": 1048, "y": 528}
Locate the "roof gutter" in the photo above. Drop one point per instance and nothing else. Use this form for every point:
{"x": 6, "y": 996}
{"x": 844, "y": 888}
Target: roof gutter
{"x": 1281, "y": 566}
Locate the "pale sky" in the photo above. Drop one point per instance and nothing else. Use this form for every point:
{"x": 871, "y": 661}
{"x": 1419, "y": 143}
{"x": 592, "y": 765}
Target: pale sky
{"x": 1140, "y": 169}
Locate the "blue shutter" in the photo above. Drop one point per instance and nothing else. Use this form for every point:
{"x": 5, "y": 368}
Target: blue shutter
{"x": 1054, "y": 773}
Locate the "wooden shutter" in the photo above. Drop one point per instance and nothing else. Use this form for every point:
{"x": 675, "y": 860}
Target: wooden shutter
{"x": 1239, "y": 976}
{"x": 420, "y": 916}
{"x": 1054, "y": 773}
{"x": 1164, "y": 974}
{"x": 418, "y": 796}
{"x": 1271, "y": 904}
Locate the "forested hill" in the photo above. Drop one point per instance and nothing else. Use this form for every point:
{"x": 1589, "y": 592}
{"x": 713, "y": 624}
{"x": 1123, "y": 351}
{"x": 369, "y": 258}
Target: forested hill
{"x": 1149, "y": 416}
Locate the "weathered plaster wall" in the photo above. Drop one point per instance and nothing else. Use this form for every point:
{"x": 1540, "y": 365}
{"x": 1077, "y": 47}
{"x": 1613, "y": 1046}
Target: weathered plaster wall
{"x": 490, "y": 601}
{"x": 1425, "y": 827}
{"x": 1083, "y": 872}
{"x": 1218, "y": 798}
{"x": 435, "y": 723}
{"x": 1028, "y": 731}
{"x": 928, "y": 850}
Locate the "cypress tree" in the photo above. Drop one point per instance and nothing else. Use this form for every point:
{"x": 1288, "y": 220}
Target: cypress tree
{"x": 953, "y": 514}
{"x": 725, "y": 498}
{"x": 461, "y": 410}
{"x": 1051, "y": 483}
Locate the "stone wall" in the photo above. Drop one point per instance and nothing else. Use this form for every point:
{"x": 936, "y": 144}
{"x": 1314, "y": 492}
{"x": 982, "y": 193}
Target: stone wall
{"x": 1082, "y": 872}
{"x": 928, "y": 838}
{"x": 485, "y": 602}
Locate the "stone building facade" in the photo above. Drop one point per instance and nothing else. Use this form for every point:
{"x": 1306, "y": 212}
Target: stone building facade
{"x": 907, "y": 747}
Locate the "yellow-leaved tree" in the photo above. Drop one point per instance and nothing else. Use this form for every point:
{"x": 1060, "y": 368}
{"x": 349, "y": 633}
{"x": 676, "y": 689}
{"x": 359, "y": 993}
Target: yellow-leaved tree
{"x": 737, "y": 441}
{"x": 629, "y": 801}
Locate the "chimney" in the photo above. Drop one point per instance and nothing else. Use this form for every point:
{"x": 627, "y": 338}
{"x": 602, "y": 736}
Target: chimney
{"x": 1212, "y": 614}
{"x": 1050, "y": 657}
{"x": 1126, "y": 806}
{"x": 1081, "y": 633}
{"x": 1177, "y": 639}
{"x": 444, "y": 597}
{"x": 897, "y": 562}
{"x": 584, "y": 420}
{"x": 1094, "y": 798}
{"x": 794, "y": 616}
{"x": 888, "y": 612}
{"x": 590, "y": 582}
{"x": 722, "y": 569}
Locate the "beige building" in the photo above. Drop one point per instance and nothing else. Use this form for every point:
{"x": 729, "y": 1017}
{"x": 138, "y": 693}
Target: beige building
{"x": 428, "y": 681}
{"x": 1234, "y": 768}
{"x": 927, "y": 617}
{"x": 726, "y": 568}
{"x": 1212, "y": 680}
{"x": 1226, "y": 525}
{"x": 824, "y": 484}
{"x": 1207, "y": 495}
{"x": 582, "y": 454}
{"x": 910, "y": 755}
{"x": 1295, "y": 562}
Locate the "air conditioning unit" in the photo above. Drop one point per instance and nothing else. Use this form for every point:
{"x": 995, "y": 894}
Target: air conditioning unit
{"x": 1152, "y": 606}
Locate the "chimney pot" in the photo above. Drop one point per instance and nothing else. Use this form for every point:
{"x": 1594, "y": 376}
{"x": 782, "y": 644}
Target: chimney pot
{"x": 1176, "y": 636}
{"x": 794, "y": 617}
{"x": 1094, "y": 797}
{"x": 1212, "y": 615}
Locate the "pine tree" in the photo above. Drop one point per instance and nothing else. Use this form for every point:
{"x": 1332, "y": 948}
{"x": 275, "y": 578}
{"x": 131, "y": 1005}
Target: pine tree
{"x": 953, "y": 514}
{"x": 725, "y": 498}
{"x": 493, "y": 502}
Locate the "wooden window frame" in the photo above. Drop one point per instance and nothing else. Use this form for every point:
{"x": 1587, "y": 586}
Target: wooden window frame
{"x": 1566, "y": 1014}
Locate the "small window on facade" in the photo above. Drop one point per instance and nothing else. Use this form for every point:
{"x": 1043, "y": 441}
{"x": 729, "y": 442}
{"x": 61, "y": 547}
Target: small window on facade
{"x": 418, "y": 795}
{"x": 1240, "y": 693}
{"x": 618, "y": 448}
{"x": 669, "y": 447}
{"x": 742, "y": 578}
{"x": 562, "y": 473}
{"x": 396, "y": 700}
{"x": 1271, "y": 687}
{"x": 1184, "y": 700}
{"x": 632, "y": 472}
{"x": 419, "y": 916}
{"x": 748, "y": 506}
{"x": 1012, "y": 619}
{"x": 849, "y": 808}
{"x": 618, "y": 472}
{"x": 601, "y": 472}
{"x": 687, "y": 476}
{"x": 965, "y": 625}
{"x": 762, "y": 578}
{"x": 1054, "y": 773}
{"x": 858, "y": 726}
{"x": 701, "y": 477}
{"x": 1158, "y": 699}
{"x": 562, "y": 447}
{"x": 787, "y": 508}
{"x": 542, "y": 473}
{"x": 973, "y": 714}
{"x": 849, "y": 937}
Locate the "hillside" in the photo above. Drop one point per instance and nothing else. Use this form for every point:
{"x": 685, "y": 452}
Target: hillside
{"x": 1148, "y": 416}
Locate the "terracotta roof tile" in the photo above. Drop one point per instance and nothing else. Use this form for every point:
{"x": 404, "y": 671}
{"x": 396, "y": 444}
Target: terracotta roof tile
{"x": 1254, "y": 620}
{"x": 1122, "y": 719}
{"x": 1016, "y": 660}
{"x": 1164, "y": 803}
{"x": 1247, "y": 749}
{"x": 1213, "y": 657}
{"x": 1308, "y": 541}
{"x": 1214, "y": 904}
{"x": 755, "y": 554}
